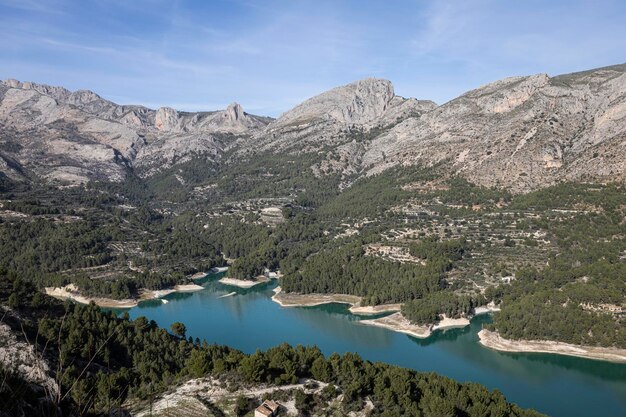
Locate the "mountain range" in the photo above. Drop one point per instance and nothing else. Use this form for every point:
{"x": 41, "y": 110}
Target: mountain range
{"x": 521, "y": 133}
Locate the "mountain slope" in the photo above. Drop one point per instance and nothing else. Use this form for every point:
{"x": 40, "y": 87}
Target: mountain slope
{"x": 327, "y": 119}
{"x": 78, "y": 136}
{"x": 522, "y": 133}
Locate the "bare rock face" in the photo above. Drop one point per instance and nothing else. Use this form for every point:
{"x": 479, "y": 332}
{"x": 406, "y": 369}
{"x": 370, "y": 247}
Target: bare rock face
{"x": 232, "y": 120}
{"x": 78, "y": 136}
{"x": 234, "y": 112}
{"x": 21, "y": 358}
{"x": 326, "y": 119}
{"x": 370, "y": 101}
{"x": 165, "y": 119}
{"x": 362, "y": 102}
{"x": 521, "y": 133}
{"x": 176, "y": 149}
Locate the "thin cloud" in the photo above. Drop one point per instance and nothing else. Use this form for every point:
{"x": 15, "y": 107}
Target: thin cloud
{"x": 274, "y": 54}
{"x": 47, "y": 6}
{"x": 75, "y": 46}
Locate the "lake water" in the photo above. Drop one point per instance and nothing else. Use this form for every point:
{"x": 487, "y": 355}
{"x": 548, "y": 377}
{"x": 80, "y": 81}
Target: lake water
{"x": 553, "y": 384}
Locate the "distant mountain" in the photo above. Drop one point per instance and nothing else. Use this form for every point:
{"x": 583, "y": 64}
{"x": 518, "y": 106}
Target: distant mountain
{"x": 57, "y": 134}
{"x": 521, "y": 133}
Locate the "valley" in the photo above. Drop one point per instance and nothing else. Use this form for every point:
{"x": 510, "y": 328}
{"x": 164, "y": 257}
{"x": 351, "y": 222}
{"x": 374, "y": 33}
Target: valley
{"x": 509, "y": 199}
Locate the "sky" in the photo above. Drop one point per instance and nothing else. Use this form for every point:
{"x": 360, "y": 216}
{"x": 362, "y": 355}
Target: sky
{"x": 271, "y": 55}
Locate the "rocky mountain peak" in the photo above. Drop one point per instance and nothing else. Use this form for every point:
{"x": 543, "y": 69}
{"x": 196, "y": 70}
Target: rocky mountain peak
{"x": 370, "y": 101}
{"x": 520, "y": 132}
{"x": 12, "y": 83}
{"x": 359, "y": 103}
{"x": 81, "y": 97}
{"x": 57, "y": 93}
{"x": 165, "y": 118}
{"x": 234, "y": 111}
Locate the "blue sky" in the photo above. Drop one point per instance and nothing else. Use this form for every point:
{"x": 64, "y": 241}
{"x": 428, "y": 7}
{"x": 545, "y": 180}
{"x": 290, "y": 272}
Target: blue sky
{"x": 270, "y": 55}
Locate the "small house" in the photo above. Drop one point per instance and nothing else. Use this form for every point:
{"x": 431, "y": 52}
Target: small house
{"x": 269, "y": 408}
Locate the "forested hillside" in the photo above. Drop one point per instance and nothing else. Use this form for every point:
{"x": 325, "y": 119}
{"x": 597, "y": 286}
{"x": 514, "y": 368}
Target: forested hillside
{"x": 102, "y": 363}
{"x": 440, "y": 246}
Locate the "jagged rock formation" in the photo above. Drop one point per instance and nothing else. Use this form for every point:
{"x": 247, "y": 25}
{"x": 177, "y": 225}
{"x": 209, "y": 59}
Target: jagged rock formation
{"x": 520, "y": 132}
{"x": 78, "y": 136}
{"x": 326, "y": 118}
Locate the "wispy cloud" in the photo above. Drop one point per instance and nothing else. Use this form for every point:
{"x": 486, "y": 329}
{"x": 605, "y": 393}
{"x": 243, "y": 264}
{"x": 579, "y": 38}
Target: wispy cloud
{"x": 76, "y": 46}
{"x": 271, "y": 54}
{"x": 38, "y": 6}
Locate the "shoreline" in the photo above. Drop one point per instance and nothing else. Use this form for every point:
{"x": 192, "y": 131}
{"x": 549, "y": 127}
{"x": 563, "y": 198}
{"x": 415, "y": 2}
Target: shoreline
{"x": 243, "y": 283}
{"x": 486, "y": 309}
{"x": 71, "y": 292}
{"x": 493, "y": 340}
{"x": 394, "y": 321}
{"x": 373, "y": 310}
{"x": 214, "y": 270}
{"x": 398, "y": 323}
{"x": 311, "y": 300}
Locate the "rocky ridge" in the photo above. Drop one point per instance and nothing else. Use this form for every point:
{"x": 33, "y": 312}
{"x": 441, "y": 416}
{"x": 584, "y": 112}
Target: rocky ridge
{"x": 326, "y": 118}
{"x": 56, "y": 134}
{"x": 521, "y": 133}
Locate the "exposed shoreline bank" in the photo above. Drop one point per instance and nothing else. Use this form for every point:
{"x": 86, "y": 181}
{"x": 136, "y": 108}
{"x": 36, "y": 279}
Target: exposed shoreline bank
{"x": 493, "y": 340}
{"x": 395, "y": 321}
{"x": 71, "y": 292}
{"x": 244, "y": 283}
{"x": 311, "y": 300}
{"x": 214, "y": 270}
{"x": 398, "y": 323}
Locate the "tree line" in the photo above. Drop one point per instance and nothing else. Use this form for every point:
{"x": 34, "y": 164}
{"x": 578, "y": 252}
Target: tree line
{"x": 101, "y": 361}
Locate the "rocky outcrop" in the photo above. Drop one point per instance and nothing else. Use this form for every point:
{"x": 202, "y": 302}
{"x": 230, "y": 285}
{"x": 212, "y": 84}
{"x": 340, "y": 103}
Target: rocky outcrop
{"x": 166, "y": 119}
{"x": 21, "y": 358}
{"x": 329, "y": 118}
{"x": 362, "y": 102}
{"x": 176, "y": 149}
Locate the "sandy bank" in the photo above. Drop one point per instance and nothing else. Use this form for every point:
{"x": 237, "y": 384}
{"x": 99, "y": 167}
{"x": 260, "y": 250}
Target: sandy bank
{"x": 286, "y": 299}
{"x": 151, "y": 294}
{"x": 218, "y": 269}
{"x": 188, "y": 288}
{"x": 214, "y": 270}
{"x": 71, "y": 292}
{"x": 370, "y": 310}
{"x": 489, "y": 308}
{"x": 494, "y": 341}
{"x": 398, "y": 323}
{"x": 449, "y": 323}
{"x": 244, "y": 283}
